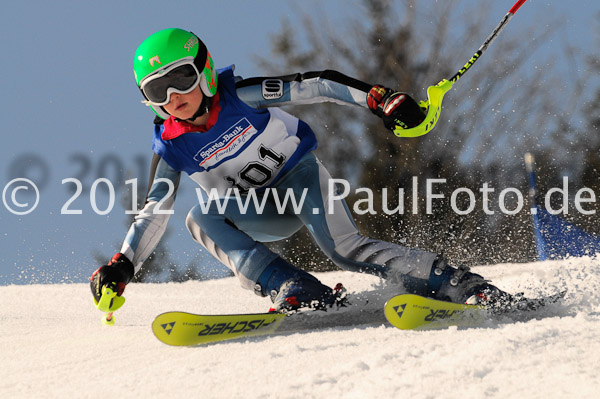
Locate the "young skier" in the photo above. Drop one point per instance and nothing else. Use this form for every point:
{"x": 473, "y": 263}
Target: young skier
{"x": 225, "y": 132}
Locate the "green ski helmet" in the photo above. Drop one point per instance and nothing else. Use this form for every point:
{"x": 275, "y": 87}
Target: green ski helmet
{"x": 168, "y": 48}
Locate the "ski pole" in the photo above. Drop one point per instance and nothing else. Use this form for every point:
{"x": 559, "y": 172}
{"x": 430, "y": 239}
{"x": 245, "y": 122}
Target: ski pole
{"x": 539, "y": 240}
{"x": 108, "y": 319}
{"x": 108, "y": 303}
{"x": 435, "y": 94}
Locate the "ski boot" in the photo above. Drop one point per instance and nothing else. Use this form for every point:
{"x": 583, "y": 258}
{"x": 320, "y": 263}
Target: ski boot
{"x": 459, "y": 285}
{"x": 291, "y": 288}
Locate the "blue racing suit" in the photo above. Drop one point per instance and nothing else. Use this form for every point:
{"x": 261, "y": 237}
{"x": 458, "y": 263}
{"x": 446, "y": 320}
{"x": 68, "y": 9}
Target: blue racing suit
{"x": 253, "y": 153}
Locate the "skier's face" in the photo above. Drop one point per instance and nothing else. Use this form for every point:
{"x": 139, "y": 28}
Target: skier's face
{"x": 184, "y": 106}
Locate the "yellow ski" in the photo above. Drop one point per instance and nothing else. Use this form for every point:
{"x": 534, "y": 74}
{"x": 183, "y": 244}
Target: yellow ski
{"x": 409, "y": 312}
{"x": 187, "y": 329}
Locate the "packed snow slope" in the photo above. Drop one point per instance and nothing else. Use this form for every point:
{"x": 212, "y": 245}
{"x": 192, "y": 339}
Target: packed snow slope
{"x": 53, "y": 345}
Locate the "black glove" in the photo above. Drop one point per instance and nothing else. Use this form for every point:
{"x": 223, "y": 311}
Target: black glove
{"x": 115, "y": 275}
{"x": 398, "y": 110}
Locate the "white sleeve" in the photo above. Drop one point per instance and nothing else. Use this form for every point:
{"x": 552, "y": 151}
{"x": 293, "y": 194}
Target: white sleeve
{"x": 150, "y": 224}
{"x": 306, "y": 88}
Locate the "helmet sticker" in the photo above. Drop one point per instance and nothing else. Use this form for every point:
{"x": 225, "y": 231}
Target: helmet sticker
{"x": 208, "y": 72}
{"x": 192, "y": 41}
{"x": 153, "y": 60}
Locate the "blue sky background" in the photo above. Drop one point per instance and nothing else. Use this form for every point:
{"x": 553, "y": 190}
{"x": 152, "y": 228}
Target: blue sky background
{"x": 71, "y": 107}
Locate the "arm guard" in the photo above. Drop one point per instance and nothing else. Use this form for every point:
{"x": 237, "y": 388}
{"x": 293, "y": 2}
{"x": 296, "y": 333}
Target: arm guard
{"x": 306, "y": 88}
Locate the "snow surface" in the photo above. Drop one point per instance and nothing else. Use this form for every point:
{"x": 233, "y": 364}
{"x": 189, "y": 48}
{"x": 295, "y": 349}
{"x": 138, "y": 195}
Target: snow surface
{"x": 53, "y": 345}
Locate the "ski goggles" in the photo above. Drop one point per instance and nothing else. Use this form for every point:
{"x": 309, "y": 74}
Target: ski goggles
{"x": 180, "y": 77}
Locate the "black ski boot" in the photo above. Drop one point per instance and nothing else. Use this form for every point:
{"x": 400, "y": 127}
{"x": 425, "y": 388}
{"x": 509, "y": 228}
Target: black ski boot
{"x": 447, "y": 283}
{"x": 291, "y": 288}
{"x": 459, "y": 285}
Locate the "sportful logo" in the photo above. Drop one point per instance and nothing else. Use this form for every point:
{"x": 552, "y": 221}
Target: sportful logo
{"x": 192, "y": 41}
{"x": 272, "y": 89}
{"x": 226, "y": 144}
